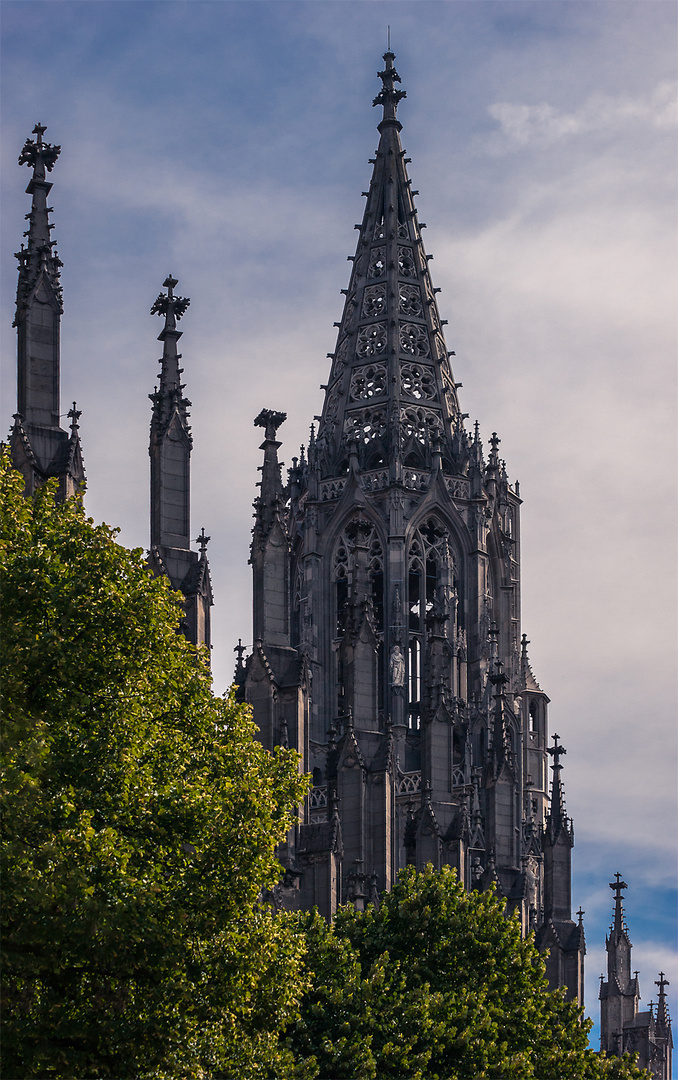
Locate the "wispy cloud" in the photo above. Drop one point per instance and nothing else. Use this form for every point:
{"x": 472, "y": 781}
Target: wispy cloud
{"x": 544, "y": 124}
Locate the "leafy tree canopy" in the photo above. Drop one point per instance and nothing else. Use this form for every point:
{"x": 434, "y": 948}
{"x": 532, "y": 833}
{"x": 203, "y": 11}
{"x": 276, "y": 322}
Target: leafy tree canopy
{"x": 140, "y": 821}
{"x": 437, "y": 984}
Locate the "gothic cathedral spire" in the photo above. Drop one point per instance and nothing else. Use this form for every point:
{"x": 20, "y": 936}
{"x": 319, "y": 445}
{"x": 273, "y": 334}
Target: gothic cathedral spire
{"x": 387, "y": 605}
{"x": 40, "y": 447}
{"x": 170, "y": 452}
{"x": 391, "y": 391}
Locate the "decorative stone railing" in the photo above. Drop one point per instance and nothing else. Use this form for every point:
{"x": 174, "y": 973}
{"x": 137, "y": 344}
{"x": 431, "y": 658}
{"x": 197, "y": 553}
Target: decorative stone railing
{"x": 458, "y": 489}
{"x": 408, "y": 783}
{"x": 331, "y": 489}
{"x": 317, "y": 798}
{"x": 374, "y": 481}
{"x": 415, "y": 479}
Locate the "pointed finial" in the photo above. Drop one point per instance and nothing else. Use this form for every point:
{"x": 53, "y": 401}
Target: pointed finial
{"x": 74, "y": 415}
{"x": 388, "y": 96}
{"x": 618, "y": 884}
{"x": 581, "y": 914}
{"x": 39, "y": 155}
{"x": 494, "y": 452}
{"x": 171, "y": 306}
{"x": 270, "y": 421}
{"x": 556, "y": 751}
{"x": 202, "y": 541}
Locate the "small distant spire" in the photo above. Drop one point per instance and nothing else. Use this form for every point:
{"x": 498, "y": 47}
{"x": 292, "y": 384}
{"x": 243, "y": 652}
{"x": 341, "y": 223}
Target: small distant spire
{"x": 557, "y": 818}
{"x": 617, "y": 886}
{"x": 662, "y": 1009}
{"x": 240, "y": 669}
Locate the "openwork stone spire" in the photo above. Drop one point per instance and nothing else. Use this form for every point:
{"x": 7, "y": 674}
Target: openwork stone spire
{"x": 391, "y": 395}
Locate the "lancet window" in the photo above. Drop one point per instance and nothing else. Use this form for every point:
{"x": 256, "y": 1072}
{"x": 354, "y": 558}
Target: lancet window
{"x": 343, "y": 574}
{"x": 430, "y": 578}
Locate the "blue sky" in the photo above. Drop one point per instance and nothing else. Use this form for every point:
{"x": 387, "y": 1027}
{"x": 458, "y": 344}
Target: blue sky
{"x": 228, "y": 143}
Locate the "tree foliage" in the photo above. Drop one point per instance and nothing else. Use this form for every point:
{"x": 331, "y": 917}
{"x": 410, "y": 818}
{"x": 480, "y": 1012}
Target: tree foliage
{"x": 140, "y": 820}
{"x": 437, "y": 983}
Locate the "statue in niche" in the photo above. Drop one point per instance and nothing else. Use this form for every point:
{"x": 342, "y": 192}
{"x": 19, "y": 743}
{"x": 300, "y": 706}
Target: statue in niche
{"x": 477, "y": 871}
{"x": 397, "y": 666}
{"x": 531, "y": 883}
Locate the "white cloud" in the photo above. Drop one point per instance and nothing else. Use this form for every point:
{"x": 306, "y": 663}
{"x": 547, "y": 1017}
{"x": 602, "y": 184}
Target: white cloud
{"x": 544, "y": 124}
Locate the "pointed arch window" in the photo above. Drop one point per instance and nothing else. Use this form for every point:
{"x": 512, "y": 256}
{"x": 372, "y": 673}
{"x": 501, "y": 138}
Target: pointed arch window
{"x": 343, "y": 574}
{"x": 430, "y": 569}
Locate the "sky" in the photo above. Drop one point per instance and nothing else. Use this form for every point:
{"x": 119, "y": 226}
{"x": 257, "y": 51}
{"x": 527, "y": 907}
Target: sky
{"x": 228, "y": 143}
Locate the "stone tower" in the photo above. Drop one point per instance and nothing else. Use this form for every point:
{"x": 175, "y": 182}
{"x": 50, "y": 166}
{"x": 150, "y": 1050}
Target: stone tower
{"x": 40, "y": 448}
{"x": 623, "y": 1029}
{"x": 387, "y": 643}
{"x": 170, "y": 452}
{"x": 387, "y": 612}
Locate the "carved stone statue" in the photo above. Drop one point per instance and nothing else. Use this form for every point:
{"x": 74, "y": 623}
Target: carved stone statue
{"x": 397, "y": 666}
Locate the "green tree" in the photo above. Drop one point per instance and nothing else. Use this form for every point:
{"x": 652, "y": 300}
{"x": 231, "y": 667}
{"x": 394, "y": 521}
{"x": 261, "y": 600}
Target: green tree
{"x": 140, "y": 820}
{"x": 437, "y": 983}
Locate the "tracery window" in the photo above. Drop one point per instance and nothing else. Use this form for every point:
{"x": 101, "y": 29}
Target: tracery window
{"x": 377, "y": 266}
{"x": 343, "y": 569}
{"x": 368, "y": 381}
{"x": 409, "y": 300}
{"x": 430, "y": 564}
{"x": 371, "y": 339}
{"x": 374, "y": 301}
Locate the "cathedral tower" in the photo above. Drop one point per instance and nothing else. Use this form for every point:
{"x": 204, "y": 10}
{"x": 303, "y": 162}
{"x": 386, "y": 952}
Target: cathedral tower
{"x": 387, "y": 641}
{"x": 40, "y": 447}
{"x": 170, "y": 452}
{"x": 623, "y": 1029}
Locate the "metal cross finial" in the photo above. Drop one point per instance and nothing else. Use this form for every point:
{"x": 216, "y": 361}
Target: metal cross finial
{"x": 661, "y": 982}
{"x": 240, "y": 649}
{"x": 39, "y": 130}
{"x": 169, "y": 283}
{"x": 581, "y": 914}
{"x": 202, "y": 541}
